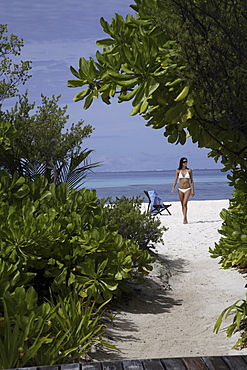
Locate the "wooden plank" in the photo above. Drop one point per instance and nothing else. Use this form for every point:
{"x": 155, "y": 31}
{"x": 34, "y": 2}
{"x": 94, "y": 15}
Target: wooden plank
{"x": 173, "y": 364}
{"x": 194, "y": 363}
{"x": 152, "y": 364}
{"x": 47, "y": 367}
{"x": 215, "y": 363}
{"x": 185, "y": 363}
{"x": 132, "y": 365}
{"x": 235, "y": 362}
{"x": 90, "y": 366}
{"x": 112, "y": 365}
{"x": 244, "y": 358}
{"x": 73, "y": 366}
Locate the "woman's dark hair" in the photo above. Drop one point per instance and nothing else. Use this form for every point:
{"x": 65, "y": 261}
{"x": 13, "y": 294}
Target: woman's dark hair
{"x": 181, "y": 162}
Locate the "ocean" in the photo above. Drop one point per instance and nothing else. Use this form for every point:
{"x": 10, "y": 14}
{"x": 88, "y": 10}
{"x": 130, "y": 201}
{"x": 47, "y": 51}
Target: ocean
{"x": 210, "y": 184}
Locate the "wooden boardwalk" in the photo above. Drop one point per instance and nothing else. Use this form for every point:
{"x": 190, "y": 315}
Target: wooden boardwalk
{"x": 185, "y": 363}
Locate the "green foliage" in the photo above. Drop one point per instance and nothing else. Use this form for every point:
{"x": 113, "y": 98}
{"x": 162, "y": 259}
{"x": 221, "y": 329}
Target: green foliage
{"x": 209, "y": 41}
{"x": 232, "y": 251}
{"x": 138, "y": 64}
{"x": 232, "y": 247}
{"x": 23, "y": 327}
{"x": 168, "y": 61}
{"x": 11, "y": 74}
{"x": 32, "y": 334}
{"x": 60, "y": 263}
{"x": 239, "y": 322}
{"x": 62, "y": 238}
{"x": 133, "y": 223}
{"x": 60, "y": 259}
{"x": 43, "y": 147}
{"x": 41, "y": 129}
{"x": 12, "y": 340}
{"x": 7, "y": 134}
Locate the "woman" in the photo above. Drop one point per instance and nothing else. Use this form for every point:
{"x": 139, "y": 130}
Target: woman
{"x": 186, "y": 185}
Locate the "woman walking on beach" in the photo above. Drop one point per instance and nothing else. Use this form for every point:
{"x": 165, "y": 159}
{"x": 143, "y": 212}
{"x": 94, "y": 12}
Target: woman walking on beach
{"x": 186, "y": 185}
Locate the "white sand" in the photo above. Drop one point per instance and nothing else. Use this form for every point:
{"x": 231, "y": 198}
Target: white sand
{"x": 159, "y": 322}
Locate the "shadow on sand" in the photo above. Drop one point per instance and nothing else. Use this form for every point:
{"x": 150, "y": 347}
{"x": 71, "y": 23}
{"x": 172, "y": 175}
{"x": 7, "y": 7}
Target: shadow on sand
{"x": 150, "y": 295}
{"x": 206, "y": 221}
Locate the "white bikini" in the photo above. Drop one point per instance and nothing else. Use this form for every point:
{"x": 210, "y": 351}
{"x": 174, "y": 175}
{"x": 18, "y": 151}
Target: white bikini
{"x": 187, "y": 176}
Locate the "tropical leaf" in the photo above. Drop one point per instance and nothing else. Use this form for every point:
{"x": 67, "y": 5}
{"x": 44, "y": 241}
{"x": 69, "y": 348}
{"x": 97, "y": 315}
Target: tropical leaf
{"x": 75, "y": 83}
{"x": 88, "y": 100}
{"x": 105, "y": 43}
{"x": 73, "y": 173}
{"x": 82, "y": 94}
{"x": 136, "y": 110}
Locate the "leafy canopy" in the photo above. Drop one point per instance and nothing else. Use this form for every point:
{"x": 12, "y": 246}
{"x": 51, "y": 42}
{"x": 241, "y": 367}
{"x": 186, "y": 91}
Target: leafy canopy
{"x": 145, "y": 60}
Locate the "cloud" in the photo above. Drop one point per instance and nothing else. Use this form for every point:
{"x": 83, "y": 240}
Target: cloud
{"x": 63, "y": 51}
{"x": 60, "y": 19}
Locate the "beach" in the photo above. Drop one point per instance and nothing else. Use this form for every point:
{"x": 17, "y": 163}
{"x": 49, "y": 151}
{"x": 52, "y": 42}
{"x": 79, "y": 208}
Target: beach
{"x": 172, "y": 312}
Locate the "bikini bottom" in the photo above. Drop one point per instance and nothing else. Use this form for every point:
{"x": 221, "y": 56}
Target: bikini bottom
{"x": 183, "y": 190}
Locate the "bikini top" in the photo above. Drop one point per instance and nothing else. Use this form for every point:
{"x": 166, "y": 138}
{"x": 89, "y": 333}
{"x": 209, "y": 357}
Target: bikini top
{"x": 187, "y": 176}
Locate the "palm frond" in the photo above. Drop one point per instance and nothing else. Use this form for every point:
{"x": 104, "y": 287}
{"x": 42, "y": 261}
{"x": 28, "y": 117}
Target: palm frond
{"x": 72, "y": 173}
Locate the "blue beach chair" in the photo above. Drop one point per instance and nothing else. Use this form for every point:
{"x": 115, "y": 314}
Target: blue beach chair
{"x": 155, "y": 204}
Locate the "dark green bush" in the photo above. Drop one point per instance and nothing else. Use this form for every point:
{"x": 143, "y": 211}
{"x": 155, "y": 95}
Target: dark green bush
{"x": 59, "y": 259}
{"x": 232, "y": 251}
{"x": 32, "y": 334}
{"x": 134, "y": 223}
{"x": 232, "y": 246}
{"x": 59, "y": 241}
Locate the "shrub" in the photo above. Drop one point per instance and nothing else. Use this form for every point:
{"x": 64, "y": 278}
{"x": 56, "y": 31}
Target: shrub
{"x": 59, "y": 260}
{"x": 232, "y": 250}
{"x": 58, "y": 241}
{"x": 132, "y": 223}
{"x": 33, "y": 334}
{"x": 239, "y": 322}
{"x": 231, "y": 247}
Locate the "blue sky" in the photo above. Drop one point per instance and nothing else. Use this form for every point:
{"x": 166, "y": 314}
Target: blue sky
{"x": 56, "y": 34}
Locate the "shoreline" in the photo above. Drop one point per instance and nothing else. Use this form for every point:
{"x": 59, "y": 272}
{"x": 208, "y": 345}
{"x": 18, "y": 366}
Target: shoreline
{"x": 222, "y": 202}
{"x": 173, "y": 313}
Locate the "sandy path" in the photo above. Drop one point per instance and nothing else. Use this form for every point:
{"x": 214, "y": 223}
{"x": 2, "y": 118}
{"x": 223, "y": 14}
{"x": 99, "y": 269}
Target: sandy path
{"x": 159, "y": 322}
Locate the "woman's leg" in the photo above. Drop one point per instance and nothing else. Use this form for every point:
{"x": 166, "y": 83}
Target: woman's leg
{"x": 185, "y": 207}
{"x": 181, "y": 197}
{"x": 184, "y": 197}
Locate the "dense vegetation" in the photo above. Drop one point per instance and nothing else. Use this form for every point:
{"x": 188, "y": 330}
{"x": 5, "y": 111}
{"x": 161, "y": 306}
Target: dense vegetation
{"x": 182, "y": 64}
{"x": 61, "y": 259}
{"x": 133, "y": 223}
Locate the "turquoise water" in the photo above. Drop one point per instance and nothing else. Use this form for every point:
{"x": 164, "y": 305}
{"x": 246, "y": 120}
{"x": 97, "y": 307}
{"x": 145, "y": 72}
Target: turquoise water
{"x": 209, "y": 184}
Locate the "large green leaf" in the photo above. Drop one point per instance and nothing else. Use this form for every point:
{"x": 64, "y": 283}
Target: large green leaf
{"x": 151, "y": 85}
{"x": 84, "y": 66}
{"x": 75, "y": 83}
{"x": 105, "y": 43}
{"x": 81, "y": 95}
